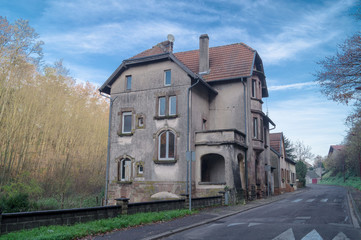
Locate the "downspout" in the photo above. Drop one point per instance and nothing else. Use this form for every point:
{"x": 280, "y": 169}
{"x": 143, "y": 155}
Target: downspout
{"x": 189, "y": 163}
{"x": 245, "y": 127}
{"x": 108, "y": 148}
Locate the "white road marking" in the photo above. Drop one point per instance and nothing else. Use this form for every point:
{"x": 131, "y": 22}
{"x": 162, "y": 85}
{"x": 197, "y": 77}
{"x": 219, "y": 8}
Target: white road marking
{"x": 324, "y": 200}
{"x": 297, "y": 200}
{"x": 310, "y": 200}
{"x": 304, "y": 218}
{"x": 340, "y": 236}
{"x": 234, "y": 224}
{"x": 313, "y": 235}
{"x": 286, "y": 235}
{"x": 253, "y": 224}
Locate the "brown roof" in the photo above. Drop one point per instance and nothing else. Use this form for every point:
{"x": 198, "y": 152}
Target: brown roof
{"x": 275, "y": 141}
{"x": 225, "y": 62}
{"x": 337, "y": 147}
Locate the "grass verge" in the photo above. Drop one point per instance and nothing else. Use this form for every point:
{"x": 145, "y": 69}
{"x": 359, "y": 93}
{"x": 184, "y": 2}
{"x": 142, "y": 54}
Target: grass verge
{"x": 350, "y": 181}
{"x": 95, "y": 227}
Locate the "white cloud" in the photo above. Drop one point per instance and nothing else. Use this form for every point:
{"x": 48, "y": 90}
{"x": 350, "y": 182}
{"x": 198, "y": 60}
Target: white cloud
{"x": 292, "y": 86}
{"x": 311, "y": 30}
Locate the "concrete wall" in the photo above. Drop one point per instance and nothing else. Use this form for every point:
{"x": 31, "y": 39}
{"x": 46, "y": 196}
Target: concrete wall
{"x": 10, "y": 222}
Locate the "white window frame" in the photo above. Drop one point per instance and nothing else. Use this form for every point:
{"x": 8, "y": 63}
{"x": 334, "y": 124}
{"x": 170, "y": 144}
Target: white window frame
{"x": 165, "y": 77}
{"x": 123, "y": 116}
{"x": 170, "y": 109}
{"x": 166, "y": 145}
{"x": 159, "y": 105}
{"x": 138, "y": 169}
{"x": 122, "y": 166}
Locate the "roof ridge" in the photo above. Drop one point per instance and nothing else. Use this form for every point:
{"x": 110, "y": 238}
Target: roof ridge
{"x": 240, "y": 43}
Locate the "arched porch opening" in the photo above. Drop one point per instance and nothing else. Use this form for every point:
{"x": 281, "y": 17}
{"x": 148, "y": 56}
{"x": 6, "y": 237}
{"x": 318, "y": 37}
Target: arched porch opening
{"x": 213, "y": 168}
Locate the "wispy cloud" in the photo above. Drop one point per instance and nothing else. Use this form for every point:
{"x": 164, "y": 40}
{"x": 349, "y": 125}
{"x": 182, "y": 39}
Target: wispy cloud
{"x": 292, "y": 86}
{"x": 310, "y": 118}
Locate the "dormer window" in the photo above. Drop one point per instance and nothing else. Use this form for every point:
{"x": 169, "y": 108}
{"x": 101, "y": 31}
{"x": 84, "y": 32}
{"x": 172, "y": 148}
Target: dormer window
{"x": 167, "y": 78}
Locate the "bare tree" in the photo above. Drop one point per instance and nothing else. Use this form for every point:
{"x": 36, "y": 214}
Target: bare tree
{"x": 302, "y": 151}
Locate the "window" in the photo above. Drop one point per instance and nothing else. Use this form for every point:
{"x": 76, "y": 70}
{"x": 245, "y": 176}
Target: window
{"x": 255, "y": 128}
{"x": 254, "y": 88}
{"x": 161, "y": 110}
{"x": 166, "y": 146}
{"x": 127, "y": 122}
{"x": 167, "y": 106}
{"x": 262, "y": 131}
{"x": 129, "y": 82}
{"x": 124, "y": 169}
{"x": 172, "y": 105}
{"x": 140, "y": 122}
{"x": 140, "y": 169}
{"x": 167, "y": 78}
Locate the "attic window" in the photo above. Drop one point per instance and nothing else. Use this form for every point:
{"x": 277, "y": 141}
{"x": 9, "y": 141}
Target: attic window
{"x": 167, "y": 78}
{"x": 128, "y": 82}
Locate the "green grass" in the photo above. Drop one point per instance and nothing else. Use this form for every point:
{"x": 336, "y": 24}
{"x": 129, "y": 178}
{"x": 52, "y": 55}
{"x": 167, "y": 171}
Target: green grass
{"x": 351, "y": 181}
{"x": 95, "y": 227}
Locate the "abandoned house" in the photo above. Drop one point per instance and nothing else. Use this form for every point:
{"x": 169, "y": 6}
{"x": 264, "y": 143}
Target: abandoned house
{"x": 166, "y": 106}
{"x": 283, "y": 168}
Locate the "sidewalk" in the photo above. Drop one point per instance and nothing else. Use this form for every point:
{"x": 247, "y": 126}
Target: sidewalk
{"x": 160, "y": 230}
{"x": 356, "y": 202}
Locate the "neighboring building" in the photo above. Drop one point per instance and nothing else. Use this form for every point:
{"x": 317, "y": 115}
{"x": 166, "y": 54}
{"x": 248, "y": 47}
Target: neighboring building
{"x": 221, "y": 89}
{"x": 285, "y": 168}
{"x": 335, "y": 149}
{"x": 312, "y": 177}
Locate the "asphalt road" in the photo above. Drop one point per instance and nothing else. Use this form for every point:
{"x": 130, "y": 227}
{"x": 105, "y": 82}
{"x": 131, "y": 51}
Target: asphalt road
{"x": 320, "y": 213}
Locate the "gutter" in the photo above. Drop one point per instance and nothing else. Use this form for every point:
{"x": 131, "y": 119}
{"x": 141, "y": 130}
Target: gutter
{"x": 189, "y": 163}
{"x": 245, "y": 132}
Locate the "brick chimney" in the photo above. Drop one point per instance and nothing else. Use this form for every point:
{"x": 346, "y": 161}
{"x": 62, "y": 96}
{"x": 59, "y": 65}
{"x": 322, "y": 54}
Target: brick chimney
{"x": 204, "y": 54}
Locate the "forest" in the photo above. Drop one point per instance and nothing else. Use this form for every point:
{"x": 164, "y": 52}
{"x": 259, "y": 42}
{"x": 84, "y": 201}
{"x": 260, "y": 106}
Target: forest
{"x": 53, "y": 130}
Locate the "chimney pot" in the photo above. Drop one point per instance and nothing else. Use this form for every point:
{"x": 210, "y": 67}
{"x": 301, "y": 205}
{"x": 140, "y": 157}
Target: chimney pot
{"x": 204, "y": 54}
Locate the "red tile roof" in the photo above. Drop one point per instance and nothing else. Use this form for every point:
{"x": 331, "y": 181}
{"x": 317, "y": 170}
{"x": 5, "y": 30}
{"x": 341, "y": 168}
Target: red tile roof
{"x": 225, "y": 62}
{"x": 338, "y": 147}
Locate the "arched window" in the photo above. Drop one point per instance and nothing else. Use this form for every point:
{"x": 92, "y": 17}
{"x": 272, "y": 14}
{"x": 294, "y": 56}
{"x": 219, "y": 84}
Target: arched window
{"x": 166, "y": 146}
{"x": 124, "y": 169}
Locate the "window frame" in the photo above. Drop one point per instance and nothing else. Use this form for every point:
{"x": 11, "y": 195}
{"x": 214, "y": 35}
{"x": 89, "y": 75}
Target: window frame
{"x": 165, "y": 77}
{"x": 167, "y": 132}
{"x": 170, "y": 109}
{"x": 128, "y": 82}
{"x": 127, "y": 113}
{"x": 159, "y": 106}
{"x": 254, "y": 90}
{"x": 255, "y": 127}
{"x": 122, "y": 170}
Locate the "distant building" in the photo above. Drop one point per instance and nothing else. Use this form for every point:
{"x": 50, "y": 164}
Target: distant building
{"x": 221, "y": 90}
{"x": 284, "y": 173}
{"x": 312, "y": 177}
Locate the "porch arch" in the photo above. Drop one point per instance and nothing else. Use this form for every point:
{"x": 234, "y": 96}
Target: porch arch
{"x": 213, "y": 168}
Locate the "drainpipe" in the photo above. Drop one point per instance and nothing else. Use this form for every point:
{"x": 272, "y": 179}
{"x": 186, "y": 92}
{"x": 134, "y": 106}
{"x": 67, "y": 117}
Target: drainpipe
{"x": 108, "y": 148}
{"x": 189, "y": 163}
{"x": 245, "y": 127}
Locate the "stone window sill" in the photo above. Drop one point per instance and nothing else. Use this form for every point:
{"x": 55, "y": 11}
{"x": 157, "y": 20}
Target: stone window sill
{"x": 166, "y": 117}
{"x": 211, "y": 183}
{"x": 165, "y": 161}
{"x": 124, "y": 182}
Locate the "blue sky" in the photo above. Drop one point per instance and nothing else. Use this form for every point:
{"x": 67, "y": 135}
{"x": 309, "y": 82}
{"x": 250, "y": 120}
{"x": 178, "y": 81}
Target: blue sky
{"x": 93, "y": 37}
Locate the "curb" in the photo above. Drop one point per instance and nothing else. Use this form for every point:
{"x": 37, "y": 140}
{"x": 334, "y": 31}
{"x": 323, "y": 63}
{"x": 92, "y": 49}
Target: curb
{"x": 181, "y": 229}
{"x": 355, "y": 216}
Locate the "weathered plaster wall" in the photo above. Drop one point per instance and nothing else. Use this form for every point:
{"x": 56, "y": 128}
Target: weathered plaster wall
{"x": 141, "y": 146}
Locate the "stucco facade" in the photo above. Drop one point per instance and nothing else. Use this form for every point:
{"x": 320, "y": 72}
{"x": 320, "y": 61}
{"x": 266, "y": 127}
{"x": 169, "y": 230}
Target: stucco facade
{"x": 152, "y": 96}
